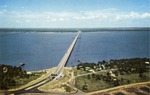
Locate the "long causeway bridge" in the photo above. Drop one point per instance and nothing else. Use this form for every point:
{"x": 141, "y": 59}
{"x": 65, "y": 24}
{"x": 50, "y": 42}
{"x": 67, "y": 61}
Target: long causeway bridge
{"x": 65, "y": 57}
{"x": 34, "y": 87}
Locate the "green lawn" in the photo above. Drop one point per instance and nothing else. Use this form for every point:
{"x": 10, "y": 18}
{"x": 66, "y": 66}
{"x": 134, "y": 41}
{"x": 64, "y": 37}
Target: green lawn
{"x": 94, "y": 85}
{"x": 134, "y": 78}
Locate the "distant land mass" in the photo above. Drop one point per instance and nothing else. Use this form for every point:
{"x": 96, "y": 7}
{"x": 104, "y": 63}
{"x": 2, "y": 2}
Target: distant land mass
{"x": 74, "y": 29}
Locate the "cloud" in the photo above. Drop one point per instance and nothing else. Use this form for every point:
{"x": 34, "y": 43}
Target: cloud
{"x": 27, "y": 21}
{"x": 87, "y": 15}
{"x": 145, "y": 15}
{"x": 132, "y": 15}
{"x": 106, "y": 17}
{"x": 17, "y": 21}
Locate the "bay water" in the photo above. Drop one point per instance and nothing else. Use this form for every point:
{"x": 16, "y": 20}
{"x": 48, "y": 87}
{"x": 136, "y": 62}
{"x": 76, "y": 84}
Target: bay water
{"x": 44, "y": 50}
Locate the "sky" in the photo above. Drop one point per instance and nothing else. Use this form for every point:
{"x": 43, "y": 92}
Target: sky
{"x": 74, "y": 13}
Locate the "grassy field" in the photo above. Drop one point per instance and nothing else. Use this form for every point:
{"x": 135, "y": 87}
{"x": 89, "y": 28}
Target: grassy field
{"x": 134, "y": 78}
{"x": 93, "y": 84}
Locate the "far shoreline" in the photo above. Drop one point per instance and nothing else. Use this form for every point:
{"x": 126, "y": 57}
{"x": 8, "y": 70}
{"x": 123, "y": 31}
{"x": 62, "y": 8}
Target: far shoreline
{"x": 101, "y": 29}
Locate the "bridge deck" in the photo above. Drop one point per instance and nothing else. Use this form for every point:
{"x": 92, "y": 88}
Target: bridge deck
{"x": 66, "y": 56}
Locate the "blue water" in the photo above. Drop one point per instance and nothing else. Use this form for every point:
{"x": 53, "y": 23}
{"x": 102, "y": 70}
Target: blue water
{"x": 43, "y": 50}
{"x": 98, "y": 46}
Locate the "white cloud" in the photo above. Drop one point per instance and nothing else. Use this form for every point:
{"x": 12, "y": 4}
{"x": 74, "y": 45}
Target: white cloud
{"x": 87, "y": 15}
{"x": 90, "y": 18}
{"x": 54, "y": 19}
{"x": 17, "y": 21}
{"x": 61, "y": 19}
{"x": 132, "y": 15}
{"x": 28, "y": 21}
{"x": 145, "y": 15}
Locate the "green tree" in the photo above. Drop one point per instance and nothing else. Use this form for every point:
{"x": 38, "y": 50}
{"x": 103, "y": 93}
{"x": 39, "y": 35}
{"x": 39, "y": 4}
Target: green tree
{"x": 89, "y": 76}
{"x": 85, "y": 86}
{"x": 68, "y": 89}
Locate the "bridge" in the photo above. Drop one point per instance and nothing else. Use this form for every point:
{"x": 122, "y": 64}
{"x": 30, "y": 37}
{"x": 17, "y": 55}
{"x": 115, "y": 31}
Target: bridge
{"x": 65, "y": 58}
{"x": 34, "y": 87}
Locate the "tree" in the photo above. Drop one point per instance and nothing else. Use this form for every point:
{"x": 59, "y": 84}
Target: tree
{"x": 68, "y": 89}
{"x": 78, "y": 68}
{"x": 116, "y": 73}
{"x": 89, "y": 76}
{"x": 141, "y": 75}
{"x": 116, "y": 82}
{"x": 85, "y": 86}
{"x": 93, "y": 75}
{"x": 8, "y": 74}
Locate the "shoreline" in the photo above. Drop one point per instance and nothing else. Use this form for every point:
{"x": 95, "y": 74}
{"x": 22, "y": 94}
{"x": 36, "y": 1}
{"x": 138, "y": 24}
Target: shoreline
{"x": 40, "y": 70}
{"x": 75, "y": 29}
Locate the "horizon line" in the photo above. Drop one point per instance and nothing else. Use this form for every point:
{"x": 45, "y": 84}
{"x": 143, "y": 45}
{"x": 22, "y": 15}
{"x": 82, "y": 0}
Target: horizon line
{"x": 77, "y": 29}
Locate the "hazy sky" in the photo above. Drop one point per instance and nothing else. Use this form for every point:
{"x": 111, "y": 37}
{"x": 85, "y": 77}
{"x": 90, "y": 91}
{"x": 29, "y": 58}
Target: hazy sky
{"x": 74, "y": 13}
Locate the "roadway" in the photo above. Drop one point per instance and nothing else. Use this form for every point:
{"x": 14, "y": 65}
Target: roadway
{"x": 66, "y": 56}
